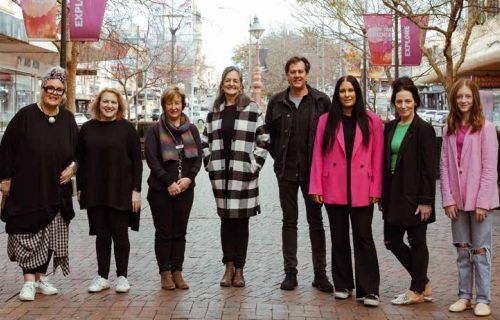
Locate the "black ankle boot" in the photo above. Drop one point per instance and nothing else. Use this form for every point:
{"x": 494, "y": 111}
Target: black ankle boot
{"x": 290, "y": 282}
{"x": 322, "y": 284}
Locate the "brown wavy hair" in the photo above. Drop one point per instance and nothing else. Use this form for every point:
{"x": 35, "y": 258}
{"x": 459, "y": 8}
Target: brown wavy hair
{"x": 94, "y": 105}
{"x": 476, "y": 118}
{"x": 169, "y": 94}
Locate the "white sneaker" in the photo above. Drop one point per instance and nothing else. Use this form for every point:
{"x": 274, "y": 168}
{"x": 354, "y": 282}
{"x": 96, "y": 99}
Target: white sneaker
{"x": 45, "y": 287}
{"x": 28, "y": 291}
{"x": 122, "y": 285}
{"x": 99, "y": 284}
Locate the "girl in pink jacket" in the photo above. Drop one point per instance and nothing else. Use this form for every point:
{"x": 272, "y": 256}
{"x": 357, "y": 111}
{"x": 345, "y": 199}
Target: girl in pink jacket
{"x": 469, "y": 192}
{"x": 346, "y": 175}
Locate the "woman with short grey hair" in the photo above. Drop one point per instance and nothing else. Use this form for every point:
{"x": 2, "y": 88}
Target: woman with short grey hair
{"x": 36, "y": 165}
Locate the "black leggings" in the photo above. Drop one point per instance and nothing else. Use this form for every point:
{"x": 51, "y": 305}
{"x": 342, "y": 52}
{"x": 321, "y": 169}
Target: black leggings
{"x": 415, "y": 257}
{"x": 170, "y": 218}
{"x": 110, "y": 225}
{"x": 234, "y": 238}
{"x": 41, "y": 269}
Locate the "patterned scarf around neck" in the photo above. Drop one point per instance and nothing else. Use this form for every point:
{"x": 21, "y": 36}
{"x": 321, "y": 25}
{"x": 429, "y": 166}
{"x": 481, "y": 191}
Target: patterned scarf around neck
{"x": 168, "y": 143}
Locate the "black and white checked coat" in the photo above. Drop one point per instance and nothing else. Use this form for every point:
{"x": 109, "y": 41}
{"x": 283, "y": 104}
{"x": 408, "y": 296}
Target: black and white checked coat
{"x": 249, "y": 150}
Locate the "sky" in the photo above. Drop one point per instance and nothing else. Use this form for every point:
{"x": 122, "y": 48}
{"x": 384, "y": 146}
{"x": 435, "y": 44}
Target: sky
{"x": 225, "y": 24}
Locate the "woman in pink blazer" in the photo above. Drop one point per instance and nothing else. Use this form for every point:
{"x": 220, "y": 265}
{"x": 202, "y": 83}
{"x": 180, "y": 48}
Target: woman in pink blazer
{"x": 346, "y": 175}
{"x": 469, "y": 192}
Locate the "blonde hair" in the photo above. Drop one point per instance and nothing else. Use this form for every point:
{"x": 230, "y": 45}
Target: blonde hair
{"x": 96, "y": 111}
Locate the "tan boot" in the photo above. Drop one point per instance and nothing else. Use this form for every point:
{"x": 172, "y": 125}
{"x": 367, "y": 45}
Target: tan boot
{"x": 227, "y": 278}
{"x": 428, "y": 292}
{"x": 179, "y": 281}
{"x": 166, "y": 280}
{"x": 238, "y": 280}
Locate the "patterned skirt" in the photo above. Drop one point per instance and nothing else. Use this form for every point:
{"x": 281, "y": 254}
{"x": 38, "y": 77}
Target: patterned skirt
{"x": 32, "y": 250}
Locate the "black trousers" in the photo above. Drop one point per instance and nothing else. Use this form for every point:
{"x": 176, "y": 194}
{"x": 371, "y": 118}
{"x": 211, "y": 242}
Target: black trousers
{"x": 234, "y": 238}
{"x": 288, "y": 200}
{"x": 170, "y": 218}
{"x": 110, "y": 225}
{"x": 365, "y": 255}
{"x": 41, "y": 269}
{"x": 415, "y": 257}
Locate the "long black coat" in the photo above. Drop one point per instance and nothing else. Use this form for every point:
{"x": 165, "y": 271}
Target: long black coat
{"x": 414, "y": 178}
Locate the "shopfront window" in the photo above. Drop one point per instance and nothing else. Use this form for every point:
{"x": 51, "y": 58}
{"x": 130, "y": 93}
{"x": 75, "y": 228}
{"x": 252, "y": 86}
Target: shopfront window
{"x": 16, "y": 91}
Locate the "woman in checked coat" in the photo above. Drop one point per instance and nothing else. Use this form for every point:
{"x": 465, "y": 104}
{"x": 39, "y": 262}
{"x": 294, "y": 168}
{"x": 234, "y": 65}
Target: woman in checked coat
{"x": 234, "y": 150}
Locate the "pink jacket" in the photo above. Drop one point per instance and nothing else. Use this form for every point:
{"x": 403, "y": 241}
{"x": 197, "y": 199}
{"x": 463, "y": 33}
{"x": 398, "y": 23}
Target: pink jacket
{"x": 329, "y": 172}
{"x": 473, "y": 184}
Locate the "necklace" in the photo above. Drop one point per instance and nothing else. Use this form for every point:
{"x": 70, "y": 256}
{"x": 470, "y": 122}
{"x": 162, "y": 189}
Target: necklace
{"x": 50, "y": 118}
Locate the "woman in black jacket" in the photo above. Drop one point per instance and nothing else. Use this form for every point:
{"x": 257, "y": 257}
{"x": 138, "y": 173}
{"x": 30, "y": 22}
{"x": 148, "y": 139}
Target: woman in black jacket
{"x": 109, "y": 184}
{"x": 173, "y": 153}
{"x": 409, "y": 189}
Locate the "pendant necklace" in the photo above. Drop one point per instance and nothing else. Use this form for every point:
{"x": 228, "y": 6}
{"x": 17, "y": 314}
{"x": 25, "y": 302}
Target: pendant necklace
{"x": 50, "y": 119}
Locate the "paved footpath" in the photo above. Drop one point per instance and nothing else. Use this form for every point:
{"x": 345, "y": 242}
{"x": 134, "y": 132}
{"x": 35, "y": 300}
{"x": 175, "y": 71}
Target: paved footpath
{"x": 260, "y": 299}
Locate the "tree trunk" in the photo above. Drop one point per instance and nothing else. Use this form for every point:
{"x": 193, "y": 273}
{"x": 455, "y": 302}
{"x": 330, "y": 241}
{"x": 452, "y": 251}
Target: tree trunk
{"x": 71, "y": 65}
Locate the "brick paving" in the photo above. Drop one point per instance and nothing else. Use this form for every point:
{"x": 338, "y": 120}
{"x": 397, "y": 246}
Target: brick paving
{"x": 260, "y": 299}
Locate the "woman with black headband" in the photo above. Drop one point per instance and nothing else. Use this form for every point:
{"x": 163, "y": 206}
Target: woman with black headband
{"x": 36, "y": 166}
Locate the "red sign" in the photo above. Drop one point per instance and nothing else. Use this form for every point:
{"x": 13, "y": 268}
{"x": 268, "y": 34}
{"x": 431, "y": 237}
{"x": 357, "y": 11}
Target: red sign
{"x": 379, "y": 33}
{"x": 40, "y": 19}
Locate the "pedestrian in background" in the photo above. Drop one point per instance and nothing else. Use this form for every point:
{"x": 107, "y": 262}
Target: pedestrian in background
{"x": 173, "y": 153}
{"x": 469, "y": 192}
{"x": 346, "y": 175}
{"x": 37, "y": 156}
{"x": 409, "y": 189}
{"x": 109, "y": 184}
{"x": 291, "y": 120}
{"x": 234, "y": 151}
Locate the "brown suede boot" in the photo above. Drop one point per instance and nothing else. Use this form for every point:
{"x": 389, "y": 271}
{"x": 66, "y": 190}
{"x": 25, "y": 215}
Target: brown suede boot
{"x": 179, "y": 281}
{"x": 166, "y": 280}
{"x": 227, "y": 278}
{"x": 238, "y": 280}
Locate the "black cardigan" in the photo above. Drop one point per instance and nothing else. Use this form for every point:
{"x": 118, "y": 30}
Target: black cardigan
{"x": 33, "y": 153}
{"x": 414, "y": 178}
{"x": 163, "y": 174}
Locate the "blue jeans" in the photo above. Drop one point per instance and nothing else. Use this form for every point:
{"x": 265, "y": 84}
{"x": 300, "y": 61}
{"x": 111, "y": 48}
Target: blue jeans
{"x": 469, "y": 235}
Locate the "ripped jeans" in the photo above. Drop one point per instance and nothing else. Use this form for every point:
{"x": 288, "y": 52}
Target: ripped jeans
{"x": 469, "y": 237}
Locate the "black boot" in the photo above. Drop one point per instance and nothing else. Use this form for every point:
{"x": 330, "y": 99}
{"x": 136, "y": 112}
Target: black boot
{"x": 290, "y": 282}
{"x": 321, "y": 283}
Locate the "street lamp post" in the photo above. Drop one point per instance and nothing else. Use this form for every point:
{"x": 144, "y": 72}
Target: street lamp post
{"x": 256, "y": 31}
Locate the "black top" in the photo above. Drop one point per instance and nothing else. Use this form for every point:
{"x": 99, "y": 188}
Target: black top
{"x": 163, "y": 174}
{"x": 229, "y": 115}
{"x": 33, "y": 153}
{"x": 297, "y": 160}
{"x": 109, "y": 155}
{"x": 349, "y": 128}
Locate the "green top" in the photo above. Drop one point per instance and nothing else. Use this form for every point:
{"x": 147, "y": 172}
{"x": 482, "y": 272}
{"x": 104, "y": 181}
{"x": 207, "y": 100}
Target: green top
{"x": 397, "y": 139}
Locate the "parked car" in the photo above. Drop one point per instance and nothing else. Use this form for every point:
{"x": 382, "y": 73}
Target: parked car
{"x": 199, "y": 117}
{"x": 80, "y": 119}
{"x": 155, "y": 115}
{"x": 440, "y": 116}
{"x": 428, "y": 115}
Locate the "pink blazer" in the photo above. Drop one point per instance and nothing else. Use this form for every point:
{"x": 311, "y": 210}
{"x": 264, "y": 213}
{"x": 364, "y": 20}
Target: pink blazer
{"x": 329, "y": 171}
{"x": 473, "y": 184}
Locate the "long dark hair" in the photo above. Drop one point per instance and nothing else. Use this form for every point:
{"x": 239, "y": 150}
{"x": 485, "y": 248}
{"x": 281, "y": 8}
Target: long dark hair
{"x": 241, "y": 100}
{"x": 335, "y": 114}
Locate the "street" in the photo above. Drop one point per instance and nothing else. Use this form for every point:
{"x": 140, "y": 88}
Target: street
{"x": 260, "y": 299}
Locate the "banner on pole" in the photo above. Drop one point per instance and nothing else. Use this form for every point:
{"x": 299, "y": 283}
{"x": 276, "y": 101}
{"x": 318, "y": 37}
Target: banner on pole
{"x": 352, "y": 57}
{"x": 411, "y": 54}
{"x": 39, "y": 19}
{"x": 379, "y": 33}
{"x": 85, "y": 19}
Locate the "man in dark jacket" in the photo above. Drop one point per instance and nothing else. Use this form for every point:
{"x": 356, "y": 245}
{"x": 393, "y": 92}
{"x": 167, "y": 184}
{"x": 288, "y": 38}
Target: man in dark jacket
{"x": 291, "y": 120}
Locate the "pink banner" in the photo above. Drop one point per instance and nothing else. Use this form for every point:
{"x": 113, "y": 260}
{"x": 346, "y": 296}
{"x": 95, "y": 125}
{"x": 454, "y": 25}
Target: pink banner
{"x": 39, "y": 19}
{"x": 411, "y": 54}
{"x": 379, "y": 33}
{"x": 85, "y": 19}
